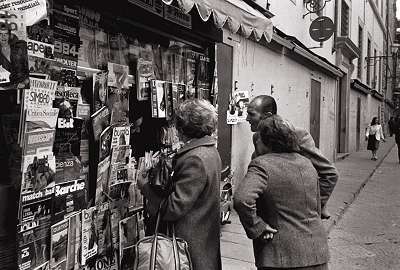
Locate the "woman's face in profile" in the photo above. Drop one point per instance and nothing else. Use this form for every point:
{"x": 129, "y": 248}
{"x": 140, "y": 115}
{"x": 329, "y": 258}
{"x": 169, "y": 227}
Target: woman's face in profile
{"x": 4, "y": 37}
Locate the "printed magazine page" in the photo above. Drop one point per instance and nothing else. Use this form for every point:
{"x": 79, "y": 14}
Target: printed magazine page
{"x": 100, "y": 90}
{"x": 102, "y": 180}
{"x": 118, "y": 103}
{"x": 100, "y": 121}
{"x": 121, "y": 136}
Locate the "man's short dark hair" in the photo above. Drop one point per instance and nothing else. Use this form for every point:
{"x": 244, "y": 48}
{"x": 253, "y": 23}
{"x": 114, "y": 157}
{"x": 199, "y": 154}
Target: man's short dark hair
{"x": 268, "y": 104}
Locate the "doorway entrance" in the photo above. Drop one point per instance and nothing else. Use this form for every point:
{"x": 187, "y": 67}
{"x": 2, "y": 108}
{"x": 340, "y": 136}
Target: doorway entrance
{"x": 358, "y": 124}
{"x": 315, "y": 111}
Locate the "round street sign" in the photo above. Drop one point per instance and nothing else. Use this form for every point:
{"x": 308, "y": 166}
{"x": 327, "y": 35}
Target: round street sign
{"x": 321, "y": 29}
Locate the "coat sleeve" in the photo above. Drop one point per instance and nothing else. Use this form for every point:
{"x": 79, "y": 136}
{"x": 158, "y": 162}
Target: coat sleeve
{"x": 328, "y": 175}
{"x": 244, "y": 200}
{"x": 190, "y": 181}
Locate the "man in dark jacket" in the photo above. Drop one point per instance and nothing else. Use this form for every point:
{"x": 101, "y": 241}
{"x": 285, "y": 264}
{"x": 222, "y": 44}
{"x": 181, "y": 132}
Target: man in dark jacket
{"x": 264, "y": 106}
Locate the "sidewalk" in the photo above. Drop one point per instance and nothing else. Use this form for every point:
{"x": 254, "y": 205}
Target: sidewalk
{"x": 355, "y": 171}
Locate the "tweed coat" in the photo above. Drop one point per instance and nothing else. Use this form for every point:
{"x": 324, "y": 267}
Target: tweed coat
{"x": 327, "y": 173}
{"x": 194, "y": 205}
{"x": 282, "y": 190}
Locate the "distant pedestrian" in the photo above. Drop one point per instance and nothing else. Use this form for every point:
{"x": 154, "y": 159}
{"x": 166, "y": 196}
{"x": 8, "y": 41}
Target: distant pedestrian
{"x": 396, "y": 131}
{"x": 278, "y": 203}
{"x": 374, "y": 135}
{"x": 264, "y": 106}
{"x": 391, "y": 124}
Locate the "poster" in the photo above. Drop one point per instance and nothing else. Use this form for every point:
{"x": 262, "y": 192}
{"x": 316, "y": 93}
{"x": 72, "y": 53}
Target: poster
{"x": 237, "y": 112}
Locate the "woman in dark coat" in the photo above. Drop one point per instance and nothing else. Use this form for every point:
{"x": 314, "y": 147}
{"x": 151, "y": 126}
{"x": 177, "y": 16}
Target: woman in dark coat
{"x": 278, "y": 203}
{"x": 194, "y": 205}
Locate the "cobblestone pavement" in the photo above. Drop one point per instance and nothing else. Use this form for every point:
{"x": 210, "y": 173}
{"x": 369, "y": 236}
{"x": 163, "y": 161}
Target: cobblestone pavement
{"x": 368, "y": 235}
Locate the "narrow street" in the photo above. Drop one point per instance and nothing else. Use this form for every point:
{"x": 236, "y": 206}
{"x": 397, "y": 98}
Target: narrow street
{"x": 368, "y": 235}
{"x": 364, "y": 228}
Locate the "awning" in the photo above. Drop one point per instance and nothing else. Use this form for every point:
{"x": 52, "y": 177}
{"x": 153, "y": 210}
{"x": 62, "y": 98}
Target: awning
{"x": 235, "y": 14}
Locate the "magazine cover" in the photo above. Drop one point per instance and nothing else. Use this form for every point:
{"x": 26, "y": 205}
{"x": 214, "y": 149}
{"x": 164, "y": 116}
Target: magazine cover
{"x": 105, "y": 143}
{"x": 158, "y": 105}
{"x": 41, "y": 30}
{"x": 102, "y": 180}
{"x": 203, "y": 78}
{"x": 44, "y": 68}
{"x": 69, "y": 198}
{"x": 37, "y": 142}
{"x": 121, "y": 136}
{"x": 191, "y": 59}
{"x": 102, "y": 57}
{"x": 74, "y": 242}
{"x": 66, "y": 52}
{"x": 116, "y": 216}
{"x": 127, "y": 237}
{"x": 41, "y": 93}
{"x": 40, "y": 49}
{"x": 118, "y": 103}
{"x": 169, "y": 110}
{"x": 83, "y": 112}
{"x": 38, "y": 210}
{"x": 118, "y": 174}
{"x": 58, "y": 245}
{"x": 135, "y": 197}
{"x": 89, "y": 234}
{"x": 67, "y": 101}
{"x": 118, "y": 75}
{"x": 40, "y": 119}
{"x": 145, "y": 71}
{"x": 33, "y": 250}
{"x": 114, "y": 43}
{"x": 69, "y": 138}
{"x": 100, "y": 121}
{"x": 68, "y": 168}
{"x": 121, "y": 154}
{"x": 87, "y": 50}
{"x": 106, "y": 258}
{"x": 14, "y": 73}
{"x": 100, "y": 89}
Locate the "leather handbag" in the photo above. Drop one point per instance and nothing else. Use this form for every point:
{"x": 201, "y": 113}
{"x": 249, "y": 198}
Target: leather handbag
{"x": 162, "y": 252}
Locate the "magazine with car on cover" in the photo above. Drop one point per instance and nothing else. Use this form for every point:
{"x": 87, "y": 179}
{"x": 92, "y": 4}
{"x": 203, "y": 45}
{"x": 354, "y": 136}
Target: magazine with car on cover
{"x": 59, "y": 244}
{"x": 106, "y": 257}
{"x": 69, "y": 198}
{"x": 33, "y": 250}
{"x": 118, "y": 103}
{"x": 89, "y": 234}
{"x": 120, "y": 136}
{"x": 74, "y": 241}
{"x": 100, "y": 90}
{"x": 105, "y": 143}
{"x": 102, "y": 180}
{"x": 100, "y": 121}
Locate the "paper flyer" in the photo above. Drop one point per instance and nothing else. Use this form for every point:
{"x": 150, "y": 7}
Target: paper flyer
{"x": 89, "y": 234}
{"x": 59, "y": 244}
{"x": 120, "y": 136}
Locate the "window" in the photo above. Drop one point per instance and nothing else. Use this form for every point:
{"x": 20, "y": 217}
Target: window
{"x": 379, "y": 87}
{"x": 360, "y": 46}
{"x": 368, "y": 61}
{"x": 345, "y": 19}
{"x": 374, "y": 78}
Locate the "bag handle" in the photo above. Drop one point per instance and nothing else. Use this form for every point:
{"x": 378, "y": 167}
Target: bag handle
{"x": 153, "y": 255}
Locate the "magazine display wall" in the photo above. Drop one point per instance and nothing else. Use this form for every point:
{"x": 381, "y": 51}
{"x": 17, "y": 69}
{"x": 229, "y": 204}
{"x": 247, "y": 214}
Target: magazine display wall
{"x": 94, "y": 108}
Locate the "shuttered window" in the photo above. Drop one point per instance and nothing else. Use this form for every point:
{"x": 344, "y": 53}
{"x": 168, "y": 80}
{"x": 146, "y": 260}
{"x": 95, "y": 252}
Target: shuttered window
{"x": 344, "y": 31}
{"x": 360, "y": 46}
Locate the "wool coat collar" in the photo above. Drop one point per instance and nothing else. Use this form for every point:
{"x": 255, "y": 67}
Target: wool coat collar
{"x": 197, "y": 142}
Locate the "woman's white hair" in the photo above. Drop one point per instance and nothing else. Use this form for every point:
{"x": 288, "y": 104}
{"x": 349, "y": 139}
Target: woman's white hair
{"x": 196, "y": 118}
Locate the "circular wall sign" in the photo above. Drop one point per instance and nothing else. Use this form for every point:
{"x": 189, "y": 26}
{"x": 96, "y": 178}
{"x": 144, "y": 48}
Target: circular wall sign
{"x": 321, "y": 29}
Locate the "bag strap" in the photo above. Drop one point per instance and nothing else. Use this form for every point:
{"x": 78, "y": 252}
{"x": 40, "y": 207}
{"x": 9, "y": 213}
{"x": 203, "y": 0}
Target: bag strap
{"x": 153, "y": 255}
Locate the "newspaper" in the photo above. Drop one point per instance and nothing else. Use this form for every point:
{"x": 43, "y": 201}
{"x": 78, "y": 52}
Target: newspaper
{"x": 33, "y": 10}
{"x": 59, "y": 244}
{"x": 89, "y": 235}
{"x": 120, "y": 136}
{"x": 69, "y": 198}
{"x": 33, "y": 246}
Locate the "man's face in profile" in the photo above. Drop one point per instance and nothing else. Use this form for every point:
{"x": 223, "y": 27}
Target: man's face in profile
{"x": 253, "y": 116}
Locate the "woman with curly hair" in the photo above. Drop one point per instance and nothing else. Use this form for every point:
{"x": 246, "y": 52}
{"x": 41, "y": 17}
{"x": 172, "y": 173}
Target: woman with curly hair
{"x": 278, "y": 203}
{"x": 194, "y": 204}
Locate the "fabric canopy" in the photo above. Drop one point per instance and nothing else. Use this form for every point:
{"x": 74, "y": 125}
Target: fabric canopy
{"x": 235, "y": 14}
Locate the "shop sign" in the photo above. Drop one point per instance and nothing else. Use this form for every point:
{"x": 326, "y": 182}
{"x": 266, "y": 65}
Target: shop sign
{"x": 175, "y": 15}
{"x": 154, "y": 6}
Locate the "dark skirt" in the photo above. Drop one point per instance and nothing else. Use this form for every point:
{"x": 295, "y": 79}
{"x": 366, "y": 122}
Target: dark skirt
{"x": 373, "y": 143}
